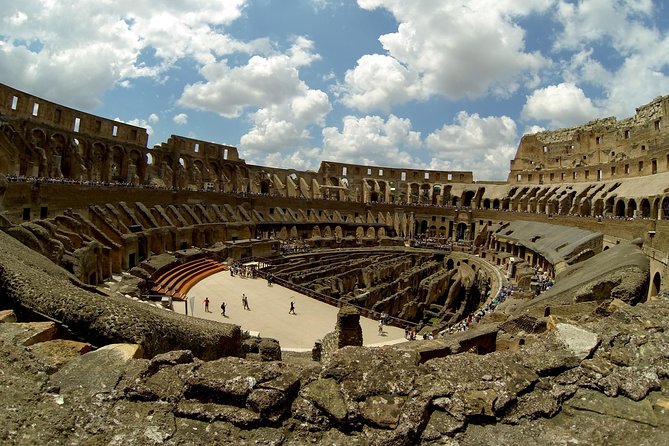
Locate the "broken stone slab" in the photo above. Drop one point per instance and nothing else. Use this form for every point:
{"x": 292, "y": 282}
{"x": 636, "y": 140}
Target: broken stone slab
{"x": 59, "y": 352}
{"x": 7, "y": 316}
{"x": 326, "y": 395}
{"x": 579, "y": 341}
{"x": 209, "y": 412}
{"x": 440, "y": 424}
{"x": 382, "y": 410}
{"x": 229, "y": 380}
{"x": 28, "y": 333}
{"x": 618, "y": 407}
{"x": 377, "y": 371}
{"x": 96, "y": 372}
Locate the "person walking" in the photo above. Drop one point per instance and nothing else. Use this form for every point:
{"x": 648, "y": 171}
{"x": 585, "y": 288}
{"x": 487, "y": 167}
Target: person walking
{"x": 292, "y": 308}
{"x": 245, "y": 302}
{"x": 223, "y": 309}
{"x": 206, "y": 305}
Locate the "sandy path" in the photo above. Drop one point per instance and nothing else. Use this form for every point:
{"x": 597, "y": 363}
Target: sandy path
{"x": 269, "y": 312}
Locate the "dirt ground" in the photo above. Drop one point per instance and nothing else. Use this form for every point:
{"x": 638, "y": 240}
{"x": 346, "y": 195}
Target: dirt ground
{"x": 268, "y": 315}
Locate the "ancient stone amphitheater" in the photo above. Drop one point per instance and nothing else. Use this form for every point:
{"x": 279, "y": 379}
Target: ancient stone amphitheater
{"x": 93, "y": 221}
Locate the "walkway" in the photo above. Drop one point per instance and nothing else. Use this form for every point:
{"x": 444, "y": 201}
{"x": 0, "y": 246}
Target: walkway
{"x": 269, "y": 312}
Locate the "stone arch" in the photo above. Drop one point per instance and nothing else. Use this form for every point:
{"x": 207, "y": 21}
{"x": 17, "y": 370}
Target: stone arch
{"x": 316, "y": 232}
{"x": 609, "y": 208}
{"x": 631, "y": 208}
{"x": 283, "y": 233}
{"x": 665, "y": 209}
{"x": 436, "y": 194}
{"x": 478, "y": 198}
{"x": 468, "y": 197}
{"x": 136, "y": 159}
{"x": 383, "y": 190}
{"x": 381, "y": 232}
{"x": 327, "y": 232}
{"x": 265, "y": 186}
{"x": 620, "y": 208}
{"x": 495, "y": 204}
{"x": 655, "y": 209}
{"x": 656, "y": 284}
{"x": 455, "y": 200}
{"x": 228, "y": 178}
{"x": 461, "y": 231}
{"x": 645, "y": 208}
{"x": 425, "y": 193}
{"x": 598, "y": 208}
{"x": 414, "y": 193}
{"x": 423, "y": 227}
{"x": 486, "y": 203}
{"x": 96, "y": 160}
{"x": 585, "y": 207}
{"x": 338, "y": 232}
{"x": 117, "y": 165}
{"x": 359, "y": 232}
{"x": 57, "y": 155}
{"x": 450, "y": 264}
{"x": 371, "y": 233}
{"x": 36, "y": 164}
{"x": 443, "y": 232}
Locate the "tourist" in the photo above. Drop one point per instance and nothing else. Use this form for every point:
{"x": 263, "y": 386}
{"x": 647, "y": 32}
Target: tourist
{"x": 223, "y": 309}
{"x": 245, "y": 302}
{"x": 206, "y": 305}
{"x": 381, "y": 326}
{"x": 292, "y": 308}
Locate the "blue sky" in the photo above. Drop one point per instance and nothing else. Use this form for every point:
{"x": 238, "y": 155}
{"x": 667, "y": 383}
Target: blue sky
{"x": 431, "y": 84}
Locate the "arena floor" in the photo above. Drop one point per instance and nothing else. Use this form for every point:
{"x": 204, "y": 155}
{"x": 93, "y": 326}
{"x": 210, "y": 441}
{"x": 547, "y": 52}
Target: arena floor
{"x": 268, "y": 314}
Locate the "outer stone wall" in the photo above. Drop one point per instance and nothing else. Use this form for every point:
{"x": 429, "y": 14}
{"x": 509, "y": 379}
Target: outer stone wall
{"x": 30, "y": 282}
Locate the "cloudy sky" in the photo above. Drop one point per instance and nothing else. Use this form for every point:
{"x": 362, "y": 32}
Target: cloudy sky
{"x": 435, "y": 84}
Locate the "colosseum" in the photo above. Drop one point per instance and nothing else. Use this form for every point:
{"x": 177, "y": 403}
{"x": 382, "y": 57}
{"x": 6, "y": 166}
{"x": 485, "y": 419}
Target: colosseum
{"x": 532, "y": 310}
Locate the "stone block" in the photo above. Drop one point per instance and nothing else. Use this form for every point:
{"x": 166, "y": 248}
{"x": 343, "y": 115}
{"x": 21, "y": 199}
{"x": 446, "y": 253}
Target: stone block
{"x": 7, "y": 316}
{"x": 28, "y": 333}
{"x": 577, "y": 340}
{"x": 59, "y": 352}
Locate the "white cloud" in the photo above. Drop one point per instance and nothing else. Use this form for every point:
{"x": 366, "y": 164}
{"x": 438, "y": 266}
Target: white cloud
{"x": 617, "y": 49}
{"x": 563, "y": 105}
{"x": 459, "y": 49}
{"x": 263, "y": 81}
{"x": 373, "y": 140}
{"x": 45, "y": 44}
{"x": 280, "y": 106}
{"x": 619, "y": 23}
{"x": 153, "y": 118}
{"x": 180, "y": 119}
{"x": 377, "y": 83}
{"x": 479, "y": 144}
{"x": 283, "y": 128}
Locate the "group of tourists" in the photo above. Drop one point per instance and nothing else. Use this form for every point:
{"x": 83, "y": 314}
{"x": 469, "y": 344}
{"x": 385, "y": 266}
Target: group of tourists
{"x": 476, "y": 316}
{"x": 245, "y": 305}
{"x": 244, "y": 271}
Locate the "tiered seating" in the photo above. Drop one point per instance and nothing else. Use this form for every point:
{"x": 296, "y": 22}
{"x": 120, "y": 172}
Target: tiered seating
{"x": 179, "y": 280}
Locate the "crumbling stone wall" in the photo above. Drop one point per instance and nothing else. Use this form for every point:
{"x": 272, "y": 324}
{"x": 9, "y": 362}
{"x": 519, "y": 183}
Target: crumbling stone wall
{"x": 348, "y": 332}
{"x": 29, "y": 282}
